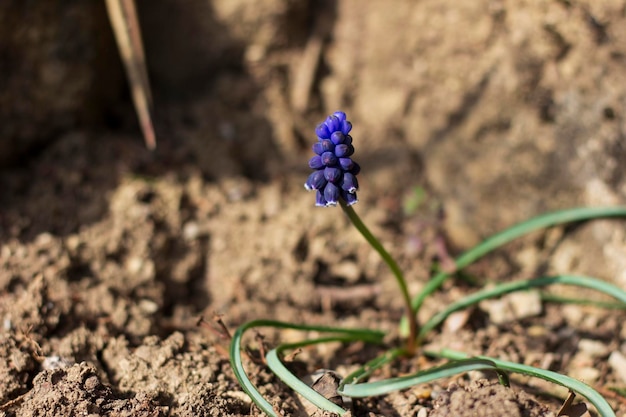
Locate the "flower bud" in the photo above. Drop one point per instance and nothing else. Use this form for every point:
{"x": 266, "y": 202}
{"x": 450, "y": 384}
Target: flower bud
{"x": 316, "y": 181}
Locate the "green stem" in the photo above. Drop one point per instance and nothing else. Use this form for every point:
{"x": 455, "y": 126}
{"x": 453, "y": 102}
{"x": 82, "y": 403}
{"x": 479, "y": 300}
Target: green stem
{"x": 395, "y": 269}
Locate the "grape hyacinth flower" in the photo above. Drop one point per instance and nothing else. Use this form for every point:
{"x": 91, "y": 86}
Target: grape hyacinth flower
{"x": 334, "y": 180}
{"x": 335, "y": 172}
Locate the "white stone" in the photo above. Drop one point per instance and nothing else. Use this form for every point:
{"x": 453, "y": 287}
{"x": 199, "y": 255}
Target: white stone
{"x": 593, "y": 348}
{"x": 617, "y": 361}
{"x": 513, "y": 307}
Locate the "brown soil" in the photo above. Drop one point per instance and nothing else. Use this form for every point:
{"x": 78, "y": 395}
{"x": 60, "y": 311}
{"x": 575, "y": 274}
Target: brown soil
{"x": 498, "y": 110}
{"x": 482, "y": 398}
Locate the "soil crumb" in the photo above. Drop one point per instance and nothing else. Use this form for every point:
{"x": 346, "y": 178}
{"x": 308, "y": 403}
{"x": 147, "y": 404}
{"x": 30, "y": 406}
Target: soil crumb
{"x": 484, "y": 398}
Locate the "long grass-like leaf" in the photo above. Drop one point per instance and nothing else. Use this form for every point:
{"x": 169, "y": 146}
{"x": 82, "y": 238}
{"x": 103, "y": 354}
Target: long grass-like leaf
{"x": 371, "y": 366}
{"x": 371, "y": 336}
{"x": 240, "y": 373}
{"x": 281, "y": 371}
{"x": 522, "y": 285}
{"x": 609, "y": 305}
{"x": 125, "y": 26}
{"x": 506, "y": 236}
{"x": 386, "y": 386}
{"x": 572, "y": 384}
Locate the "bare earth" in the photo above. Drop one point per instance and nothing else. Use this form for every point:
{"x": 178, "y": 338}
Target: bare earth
{"x": 110, "y": 254}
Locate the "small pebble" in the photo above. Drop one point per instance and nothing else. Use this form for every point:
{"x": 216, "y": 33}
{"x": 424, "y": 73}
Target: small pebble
{"x": 593, "y": 348}
{"x": 617, "y": 361}
{"x": 191, "y": 230}
{"x": 73, "y": 242}
{"x": 134, "y": 264}
{"x": 537, "y": 331}
{"x": 347, "y": 270}
{"x": 456, "y": 321}
{"x": 148, "y": 306}
{"x": 55, "y": 362}
{"x": 43, "y": 239}
{"x": 513, "y": 307}
{"x": 586, "y": 374}
{"x": 526, "y": 304}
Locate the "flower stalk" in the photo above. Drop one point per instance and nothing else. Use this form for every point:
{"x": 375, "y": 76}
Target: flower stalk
{"x": 395, "y": 269}
{"x": 334, "y": 180}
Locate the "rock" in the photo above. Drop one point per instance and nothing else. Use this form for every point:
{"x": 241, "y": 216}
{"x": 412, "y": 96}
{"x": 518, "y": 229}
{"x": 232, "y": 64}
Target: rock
{"x": 587, "y": 374}
{"x": 513, "y": 306}
{"x": 456, "y": 321}
{"x": 593, "y": 348}
{"x": 347, "y": 270}
{"x": 617, "y": 361}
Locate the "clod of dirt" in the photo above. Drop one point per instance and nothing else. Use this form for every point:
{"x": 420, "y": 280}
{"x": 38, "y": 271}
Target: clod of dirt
{"x": 161, "y": 369}
{"x": 15, "y": 366}
{"x": 483, "y": 398}
{"x": 77, "y": 390}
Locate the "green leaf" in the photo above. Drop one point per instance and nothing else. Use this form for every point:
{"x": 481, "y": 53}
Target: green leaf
{"x": 370, "y": 389}
{"x": 366, "y": 335}
{"x": 523, "y": 285}
{"x": 572, "y": 384}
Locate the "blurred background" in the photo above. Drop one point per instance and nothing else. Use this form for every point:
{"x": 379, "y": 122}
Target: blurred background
{"x": 493, "y": 102}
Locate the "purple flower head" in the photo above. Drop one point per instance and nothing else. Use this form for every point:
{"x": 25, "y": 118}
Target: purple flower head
{"x": 334, "y": 175}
